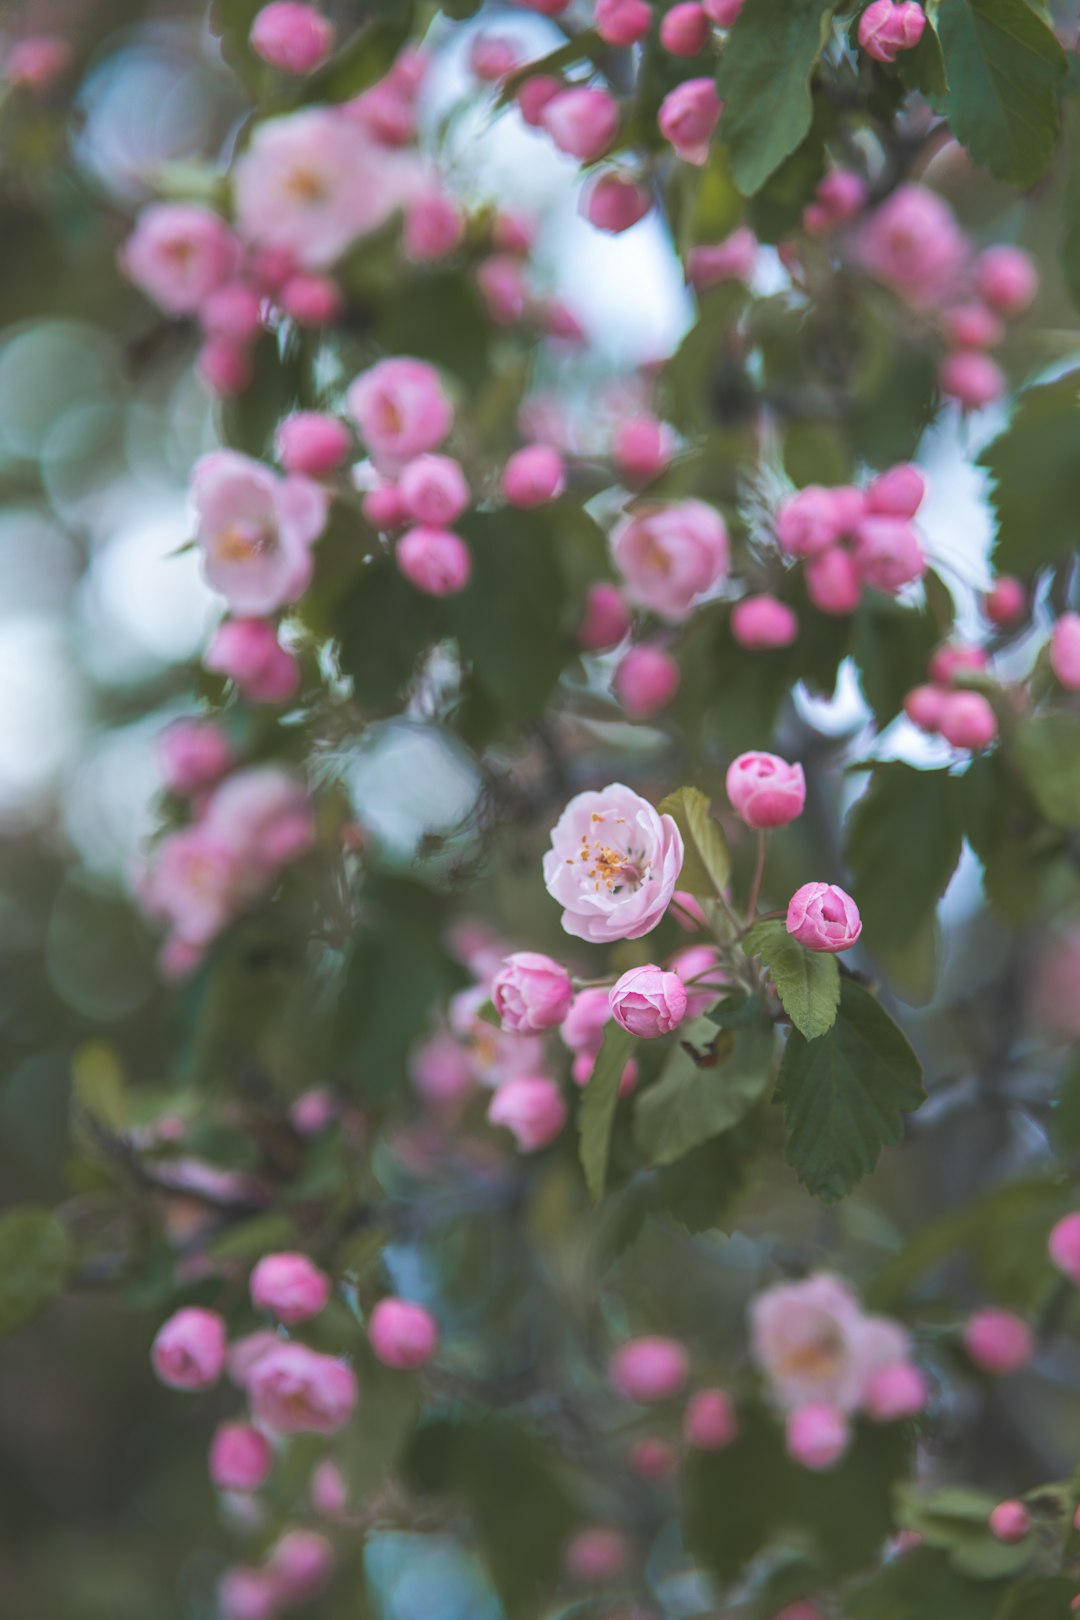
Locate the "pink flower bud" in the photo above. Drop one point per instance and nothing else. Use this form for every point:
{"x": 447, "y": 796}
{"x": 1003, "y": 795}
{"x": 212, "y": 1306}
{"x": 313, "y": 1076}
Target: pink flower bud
{"x": 312, "y": 300}
{"x": 897, "y": 493}
{"x": 1010, "y": 1522}
{"x": 646, "y": 680}
{"x": 433, "y": 490}
{"x": 971, "y": 326}
{"x": 504, "y": 289}
{"x": 724, "y": 13}
{"x": 823, "y": 918}
{"x": 817, "y": 1436}
{"x": 311, "y": 443}
{"x": 807, "y": 522}
{"x": 534, "y": 475}
{"x": 434, "y": 227}
{"x": 562, "y": 325}
{"x": 384, "y": 508}
{"x": 967, "y": 720}
{"x": 513, "y": 233}
{"x": 924, "y": 706}
{"x": 840, "y": 195}
{"x": 194, "y": 754}
{"x": 894, "y": 1392}
{"x": 240, "y": 1458}
{"x": 647, "y": 1002}
{"x": 1064, "y": 1246}
{"x": 248, "y": 1594}
{"x": 971, "y": 378}
{"x": 832, "y": 581}
{"x": 1006, "y": 601}
{"x": 582, "y": 122}
{"x": 294, "y": 1390}
{"x": 765, "y": 791}
{"x": 684, "y": 29}
{"x": 733, "y": 259}
{"x": 436, "y": 561}
{"x": 292, "y": 36}
{"x": 648, "y": 1370}
{"x": 622, "y": 22}
{"x": 233, "y": 312}
{"x": 607, "y": 618}
{"x": 761, "y": 622}
{"x": 597, "y": 1555}
{"x": 953, "y": 658}
{"x": 1007, "y": 279}
{"x": 642, "y": 448}
{"x": 492, "y": 57}
{"x": 531, "y": 992}
{"x": 402, "y": 1335}
{"x": 189, "y": 1350}
{"x": 36, "y": 62}
{"x": 178, "y": 254}
{"x": 710, "y": 1421}
{"x": 654, "y": 1459}
{"x": 327, "y": 1491}
{"x": 888, "y": 27}
{"x": 247, "y": 651}
{"x": 531, "y": 1108}
{"x": 313, "y": 1111}
{"x": 290, "y": 1286}
{"x": 614, "y": 204}
{"x": 301, "y": 1564}
{"x": 224, "y": 367}
{"x": 1065, "y": 651}
{"x": 533, "y": 95}
{"x": 998, "y": 1342}
{"x": 887, "y": 553}
{"x": 688, "y": 118}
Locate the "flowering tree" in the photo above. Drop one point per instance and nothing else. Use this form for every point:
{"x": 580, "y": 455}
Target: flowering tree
{"x": 512, "y": 1213}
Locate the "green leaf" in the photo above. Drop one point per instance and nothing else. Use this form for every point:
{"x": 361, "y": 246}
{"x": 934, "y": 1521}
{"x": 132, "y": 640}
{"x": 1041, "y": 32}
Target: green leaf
{"x": 706, "y": 864}
{"x": 1035, "y": 469}
{"x": 701, "y": 1092}
{"x": 737, "y": 1011}
{"x": 922, "y": 1586}
{"x": 904, "y": 839}
{"x": 598, "y": 1107}
{"x": 382, "y": 1428}
{"x": 248, "y": 1240}
{"x": 1044, "y": 1597}
{"x": 923, "y": 69}
{"x": 700, "y": 1190}
{"x": 843, "y": 1094}
{"x": 1066, "y": 1126}
{"x": 97, "y": 1088}
{"x": 1004, "y": 64}
{"x": 764, "y": 83}
{"x": 1047, "y": 752}
{"x": 383, "y": 627}
{"x": 807, "y": 982}
{"x": 362, "y": 60}
{"x": 956, "y": 1520}
{"x": 892, "y": 648}
{"x": 1070, "y": 242}
{"x": 35, "y": 1261}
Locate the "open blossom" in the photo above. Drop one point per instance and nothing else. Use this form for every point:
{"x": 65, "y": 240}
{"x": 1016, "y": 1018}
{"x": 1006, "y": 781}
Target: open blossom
{"x": 400, "y": 409}
{"x": 815, "y": 1345}
{"x": 531, "y": 1108}
{"x": 294, "y": 1390}
{"x": 189, "y": 1350}
{"x": 255, "y": 530}
{"x": 648, "y": 1002}
{"x": 265, "y": 814}
{"x": 178, "y": 254}
{"x": 494, "y": 1055}
{"x": 670, "y": 556}
{"x": 196, "y": 883}
{"x": 913, "y": 244}
{"x": 613, "y": 865}
{"x": 823, "y": 918}
{"x": 312, "y": 182}
{"x": 531, "y": 992}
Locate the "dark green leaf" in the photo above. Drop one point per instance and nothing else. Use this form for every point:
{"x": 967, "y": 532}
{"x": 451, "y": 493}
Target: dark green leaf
{"x": 737, "y": 1011}
{"x": 1044, "y": 1597}
{"x": 35, "y": 1260}
{"x": 807, "y": 982}
{"x": 764, "y": 83}
{"x": 363, "y": 59}
{"x": 701, "y": 1189}
{"x": 706, "y": 864}
{"x": 891, "y": 649}
{"x": 1070, "y": 242}
{"x": 1067, "y": 1112}
{"x": 844, "y": 1094}
{"x": 383, "y": 626}
{"x": 1048, "y": 755}
{"x": 922, "y": 1586}
{"x": 923, "y": 69}
{"x": 701, "y": 1093}
{"x": 957, "y": 1520}
{"x": 598, "y": 1107}
{"x": 1035, "y": 469}
{"x": 903, "y": 844}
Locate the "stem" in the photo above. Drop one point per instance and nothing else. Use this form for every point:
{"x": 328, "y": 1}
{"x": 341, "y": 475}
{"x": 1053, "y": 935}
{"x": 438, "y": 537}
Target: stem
{"x": 759, "y": 874}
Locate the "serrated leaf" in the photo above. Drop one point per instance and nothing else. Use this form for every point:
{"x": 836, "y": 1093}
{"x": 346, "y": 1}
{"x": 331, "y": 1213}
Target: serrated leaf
{"x": 924, "y": 69}
{"x": 598, "y": 1107}
{"x": 807, "y": 982}
{"x": 706, "y": 864}
{"x": 904, "y": 838}
{"x": 701, "y": 1189}
{"x": 764, "y": 83}
{"x": 891, "y": 648}
{"x": 1035, "y": 468}
{"x": 700, "y": 1093}
{"x": 35, "y": 1261}
{"x": 1047, "y": 752}
{"x": 844, "y": 1095}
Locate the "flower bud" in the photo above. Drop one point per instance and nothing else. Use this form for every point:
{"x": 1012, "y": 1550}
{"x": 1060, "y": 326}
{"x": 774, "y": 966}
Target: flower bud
{"x": 534, "y": 475}
{"x": 1064, "y": 1246}
{"x": 806, "y": 523}
{"x": 531, "y": 1108}
{"x": 533, "y": 95}
{"x": 614, "y": 204}
{"x": 327, "y": 1492}
{"x": 954, "y": 657}
{"x": 888, "y": 27}
{"x": 971, "y": 326}
{"x": 402, "y": 1335}
{"x": 832, "y": 581}
{"x": 622, "y": 22}
{"x": 513, "y": 233}
{"x": 1007, "y": 279}
{"x": 724, "y": 13}
{"x": 1010, "y": 1522}
{"x": 433, "y": 490}
{"x": 895, "y": 1392}
{"x": 607, "y": 618}
{"x": 37, "y": 61}
{"x": 648, "y": 1370}
{"x": 817, "y": 1436}
{"x": 492, "y": 57}
{"x": 248, "y": 1594}
{"x": 232, "y": 311}
{"x": 194, "y": 754}
{"x": 384, "y": 508}
{"x": 582, "y": 121}
{"x": 1065, "y": 651}
{"x": 436, "y": 561}
{"x": 646, "y": 680}
{"x": 434, "y": 227}
{"x": 289, "y": 1286}
{"x": 642, "y": 448}
{"x": 971, "y": 378}
{"x": 967, "y": 720}
{"x": 998, "y": 1342}
{"x": 887, "y": 554}
{"x": 710, "y": 1421}
{"x": 312, "y": 443}
{"x": 647, "y": 1002}
{"x": 765, "y": 791}
{"x": 733, "y": 259}
{"x": 189, "y": 1350}
{"x": 503, "y": 287}
{"x": 240, "y": 1458}
{"x": 759, "y": 623}
{"x": 654, "y": 1459}
{"x": 823, "y": 918}
{"x": 924, "y": 706}
{"x": 247, "y": 651}
{"x": 897, "y": 493}
{"x": 597, "y": 1555}
{"x": 684, "y": 30}
{"x": 224, "y": 367}
{"x": 312, "y": 300}
{"x": 688, "y": 118}
{"x": 301, "y": 1564}
{"x": 292, "y": 36}
{"x": 1006, "y": 601}
{"x": 531, "y": 993}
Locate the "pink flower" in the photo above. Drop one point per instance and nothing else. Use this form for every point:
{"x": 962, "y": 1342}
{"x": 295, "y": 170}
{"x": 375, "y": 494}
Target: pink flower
{"x": 194, "y": 754}
{"x": 496, "y": 1055}
{"x": 531, "y": 993}
{"x": 684, "y": 29}
{"x": 887, "y": 553}
{"x": 1064, "y": 1246}
{"x": 808, "y": 522}
{"x": 327, "y": 1492}
{"x": 441, "y": 1071}
{"x": 1006, "y": 603}
{"x": 924, "y": 706}
{"x": 434, "y": 227}
{"x": 311, "y": 443}
{"x": 255, "y": 530}
{"x": 240, "y": 1458}
{"x": 614, "y": 204}
{"x": 534, "y": 475}
{"x": 531, "y": 1108}
{"x": 971, "y": 378}
{"x": 806, "y": 1339}
{"x": 648, "y": 1002}
{"x": 597, "y": 1555}
{"x": 400, "y": 409}
{"x": 294, "y": 1390}
{"x": 967, "y": 720}
{"x": 189, "y": 1350}
{"x": 533, "y": 95}
{"x": 433, "y": 490}
{"x": 839, "y": 197}
{"x": 648, "y": 1370}
{"x": 583, "y": 1027}
{"x": 670, "y": 556}
{"x": 289, "y": 1286}
{"x": 436, "y": 561}
{"x": 725, "y": 13}
{"x": 896, "y": 1391}
{"x": 971, "y": 326}
{"x": 1010, "y": 1522}
{"x": 897, "y": 493}
{"x": 765, "y": 791}
{"x": 196, "y": 883}
{"x": 606, "y": 620}
{"x": 291, "y": 36}
{"x": 646, "y": 680}
{"x": 733, "y": 259}
{"x": 223, "y": 367}
{"x": 759, "y": 623}
{"x": 817, "y": 1436}
{"x": 642, "y": 448}
{"x": 248, "y": 1594}
{"x": 823, "y": 918}
{"x": 1065, "y": 651}
{"x": 688, "y": 118}
{"x": 384, "y": 508}
{"x": 492, "y": 57}
{"x": 248, "y": 652}
{"x": 37, "y": 61}
{"x": 178, "y": 254}
{"x": 913, "y": 244}
{"x": 311, "y": 300}
{"x": 654, "y": 1459}
{"x": 622, "y": 22}
{"x": 613, "y": 865}
{"x": 301, "y": 1564}
{"x": 1007, "y": 279}
{"x": 888, "y": 27}
{"x": 244, "y": 1353}
{"x": 955, "y": 657}
{"x": 582, "y": 121}
{"x": 998, "y": 1341}
{"x": 710, "y": 1421}
{"x": 402, "y": 1335}
{"x": 232, "y": 311}
{"x": 699, "y": 964}
{"x": 312, "y": 182}
{"x": 504, "y": 288}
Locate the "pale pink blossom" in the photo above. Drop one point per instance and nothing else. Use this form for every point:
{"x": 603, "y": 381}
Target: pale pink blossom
{"x": 255, "y": 530}
{"x": 178, "y": 254}
{"x": 671, "y": 556}
{"x": 294, "y": 1390}
{"x": 613, "y": 865}
{"x": 815, "y": 1346}
{"x": 400, "y": 408}
{"x": 913, "y": 244}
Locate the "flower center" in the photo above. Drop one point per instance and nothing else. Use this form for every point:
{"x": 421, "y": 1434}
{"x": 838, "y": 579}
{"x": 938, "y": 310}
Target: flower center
{"x": 612, "y": 868}
{"x": 243, "y": 542}
{"x": 306, "y": 186}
